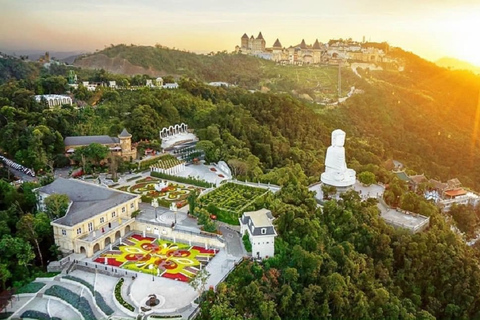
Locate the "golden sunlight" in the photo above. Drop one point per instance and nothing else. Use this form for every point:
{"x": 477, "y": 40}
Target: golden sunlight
{"x": 461, "y": 35}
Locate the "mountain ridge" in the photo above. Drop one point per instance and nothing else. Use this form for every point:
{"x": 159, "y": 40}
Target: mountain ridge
{"x": 457, "y": 64}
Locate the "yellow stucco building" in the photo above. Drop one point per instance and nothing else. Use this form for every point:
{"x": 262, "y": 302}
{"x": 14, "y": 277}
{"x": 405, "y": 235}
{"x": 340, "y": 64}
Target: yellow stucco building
{"x": 96, "y": 217}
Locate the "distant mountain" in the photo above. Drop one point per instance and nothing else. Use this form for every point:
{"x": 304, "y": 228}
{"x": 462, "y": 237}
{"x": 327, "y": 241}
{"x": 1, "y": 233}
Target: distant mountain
{"x": 33, "y": 55}
{"x": 453, "y": 63}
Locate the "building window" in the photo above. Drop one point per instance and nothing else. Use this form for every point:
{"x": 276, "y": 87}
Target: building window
{"x": 114, "y": 214}
{"x": 264, "y": 231}
{"x": 131, "y": 205}
{"x": 90, "y": 227}
{"x": 102, "y": 220}
{"x": 79, "y": 230}
{"x": 64, "y": 232}
{"x": 123, "y": 210}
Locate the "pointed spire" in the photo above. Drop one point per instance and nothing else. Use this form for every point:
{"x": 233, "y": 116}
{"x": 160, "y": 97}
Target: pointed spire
{"x": 303, "y": 45}
{"x": 124, "y": 134}
{"x": 260, "y": 35}
{"x": 277, "y": 44}
{"x": 244, "y": 36}
{"x": 316, "y": 45}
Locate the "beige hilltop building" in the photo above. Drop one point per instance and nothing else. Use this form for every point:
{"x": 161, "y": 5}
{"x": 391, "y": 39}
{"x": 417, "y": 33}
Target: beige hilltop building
{"x": 333, "y": 52}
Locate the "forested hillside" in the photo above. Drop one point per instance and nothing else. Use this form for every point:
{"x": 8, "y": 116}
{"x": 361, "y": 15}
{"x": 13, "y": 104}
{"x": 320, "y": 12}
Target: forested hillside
{"x": 426, "y": 117}
{"x": 343, "y": 262}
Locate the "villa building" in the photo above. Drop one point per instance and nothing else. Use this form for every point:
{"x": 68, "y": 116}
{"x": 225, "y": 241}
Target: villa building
{"x": 261, "y": 232}
{"x": 96, "y": 217}
{"x": 54, "y": 100}
{"x": 119, "y": 146}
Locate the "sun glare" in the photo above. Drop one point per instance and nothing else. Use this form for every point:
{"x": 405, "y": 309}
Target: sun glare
{"x": 461, "y": 31}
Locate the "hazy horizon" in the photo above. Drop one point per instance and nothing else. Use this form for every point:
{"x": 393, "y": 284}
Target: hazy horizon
{"x": 432, "y": 29}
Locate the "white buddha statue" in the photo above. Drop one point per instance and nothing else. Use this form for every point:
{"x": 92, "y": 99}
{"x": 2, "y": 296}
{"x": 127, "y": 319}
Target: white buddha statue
{"x": 336, "y": 172}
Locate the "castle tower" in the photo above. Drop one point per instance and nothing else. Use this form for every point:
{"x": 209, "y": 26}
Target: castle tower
{"x": 303, "y": 45}
{"x": 259, "y": 43}
{"x": 244, "y": 42}
{"x": 277, "y": 44}
{"x": 251, "y": 42}
{"x": 317, "y": 52}
{"x": 126, "y": 145}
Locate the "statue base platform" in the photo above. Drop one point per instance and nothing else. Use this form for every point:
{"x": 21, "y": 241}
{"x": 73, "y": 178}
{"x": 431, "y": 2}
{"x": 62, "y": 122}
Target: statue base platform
{"x": 337, "y": 183}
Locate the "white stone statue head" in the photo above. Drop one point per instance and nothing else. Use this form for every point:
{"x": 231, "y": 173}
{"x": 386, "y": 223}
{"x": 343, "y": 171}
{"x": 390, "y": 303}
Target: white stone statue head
{"x": 338, "y": 138}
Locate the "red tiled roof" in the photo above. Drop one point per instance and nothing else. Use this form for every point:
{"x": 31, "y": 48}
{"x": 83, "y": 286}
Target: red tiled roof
{"x": 455, "y": 193}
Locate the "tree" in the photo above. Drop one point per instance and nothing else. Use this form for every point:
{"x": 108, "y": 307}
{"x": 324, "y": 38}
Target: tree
{"x": 367, "y": 178}
{"x": 15, "y": 251}
{"x": 5, "y": 274}
{"x": 239, "y": 167}
{"x": 56, "y": 205}
{"x": 328, "y": 191}
{"x": 211, "y": 151}
{"x": 200, "y": 281}
{"x": 34, "y": 229}
{"x": 96, "y": 152}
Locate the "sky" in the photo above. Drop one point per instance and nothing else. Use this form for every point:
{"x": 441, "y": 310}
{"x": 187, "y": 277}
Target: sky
{"x": 429, "y": 28}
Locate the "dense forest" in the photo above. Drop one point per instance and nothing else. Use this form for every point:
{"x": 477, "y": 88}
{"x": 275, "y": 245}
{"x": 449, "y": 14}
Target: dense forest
{"x": 341, "y": 261}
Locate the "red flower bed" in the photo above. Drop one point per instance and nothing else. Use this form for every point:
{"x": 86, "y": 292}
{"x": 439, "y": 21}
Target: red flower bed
{"x": 140, "y": 238}
{"x": 213, "y": 169}
{"x": 177, "y": 276}
{"x": 110, "y": 261}
{"x": 221, "y": 176}
{"x": 203, "y": 250}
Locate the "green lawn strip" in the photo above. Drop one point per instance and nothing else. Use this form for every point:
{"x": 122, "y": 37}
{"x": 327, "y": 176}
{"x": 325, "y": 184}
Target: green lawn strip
{"x": 133, "y": 178}
{"x": 79, "y": 303}
{"x": 32, "y": 287}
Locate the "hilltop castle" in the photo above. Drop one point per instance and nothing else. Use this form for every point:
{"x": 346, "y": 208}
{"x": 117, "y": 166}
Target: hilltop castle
{"x": 299, "y": 54}
{"x": 332, "y": 52}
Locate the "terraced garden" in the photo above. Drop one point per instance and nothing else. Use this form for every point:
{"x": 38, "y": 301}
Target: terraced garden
{"x": 163, "y": 258}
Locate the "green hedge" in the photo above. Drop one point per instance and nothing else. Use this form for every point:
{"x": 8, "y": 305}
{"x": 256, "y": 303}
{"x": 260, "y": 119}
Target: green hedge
{"x": 102, "y": 304}
{"x": 118, "y": 295}
{"x": 246, "y": 243}
{"x": 33, "y": 314}
{"x": 158, "y": 316}
{"x": 32, "y": 287}
{"x": 77, "y": 302}
{"x": 188, "y": 180}
{"x": 85, "y": 283}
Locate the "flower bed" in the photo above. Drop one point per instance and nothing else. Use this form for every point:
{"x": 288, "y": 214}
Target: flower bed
{"x": 173, "y": 192}
{"x": 159, "y": 257}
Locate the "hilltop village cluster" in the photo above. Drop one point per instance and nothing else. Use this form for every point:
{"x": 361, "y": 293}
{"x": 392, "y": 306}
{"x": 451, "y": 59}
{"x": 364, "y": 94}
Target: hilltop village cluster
{"x": 333, "y": 52}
